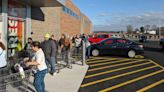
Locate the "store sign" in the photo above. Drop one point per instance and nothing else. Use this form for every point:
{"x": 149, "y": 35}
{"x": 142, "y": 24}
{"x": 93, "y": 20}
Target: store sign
{"x": 12, "y": 27}
{"x": 14, "y": 32}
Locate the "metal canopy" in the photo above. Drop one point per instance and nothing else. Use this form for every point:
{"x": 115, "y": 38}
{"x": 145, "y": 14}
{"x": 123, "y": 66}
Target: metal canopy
{"x": 42, "y": 3}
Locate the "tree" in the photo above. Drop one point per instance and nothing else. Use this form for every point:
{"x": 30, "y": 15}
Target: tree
{"x": 142, "y": 29}
{"x": 129, "y": 29}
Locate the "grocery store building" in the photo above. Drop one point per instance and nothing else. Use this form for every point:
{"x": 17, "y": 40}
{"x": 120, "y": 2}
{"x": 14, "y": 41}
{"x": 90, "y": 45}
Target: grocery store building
{"x": 20, "y": 19}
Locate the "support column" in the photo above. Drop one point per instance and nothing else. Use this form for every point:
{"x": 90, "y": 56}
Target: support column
{"x": 4, "y": 21}
{"x": 28, "y": 22}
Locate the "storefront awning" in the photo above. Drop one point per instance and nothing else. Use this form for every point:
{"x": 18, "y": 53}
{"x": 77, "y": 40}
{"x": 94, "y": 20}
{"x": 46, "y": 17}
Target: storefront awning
{"x": 43, "y": 3}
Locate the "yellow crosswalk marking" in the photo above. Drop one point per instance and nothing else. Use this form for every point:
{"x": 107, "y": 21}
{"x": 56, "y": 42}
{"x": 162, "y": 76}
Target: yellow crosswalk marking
{"x": 110, "y": 71}
{"x": 95, "y": 69}
{"x": 120, "y": 75}
{"x": 151, "y": 86}
{"x": 109, "y": 62}
{"x": 100, "y": 61}
{"x": 131, "y": 81}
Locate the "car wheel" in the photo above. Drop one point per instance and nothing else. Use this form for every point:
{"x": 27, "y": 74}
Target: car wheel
{"x": 131, "y": 53}
{"x": 95, "y": 52}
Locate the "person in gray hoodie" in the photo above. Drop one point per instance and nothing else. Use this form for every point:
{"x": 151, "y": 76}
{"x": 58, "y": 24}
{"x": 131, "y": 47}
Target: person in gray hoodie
{"x": 48, "y": 47}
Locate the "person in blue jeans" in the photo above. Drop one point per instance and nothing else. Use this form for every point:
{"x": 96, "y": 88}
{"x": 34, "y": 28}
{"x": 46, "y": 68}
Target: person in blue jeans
{"x": 40, "y": 67}
{"x": 49, "y": 48}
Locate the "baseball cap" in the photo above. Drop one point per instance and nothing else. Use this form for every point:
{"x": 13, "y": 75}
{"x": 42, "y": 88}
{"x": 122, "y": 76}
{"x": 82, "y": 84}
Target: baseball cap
{"x": 47, "y": 35}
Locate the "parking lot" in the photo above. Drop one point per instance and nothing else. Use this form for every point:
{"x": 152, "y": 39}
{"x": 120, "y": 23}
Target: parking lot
{"x": 120, "y": 74}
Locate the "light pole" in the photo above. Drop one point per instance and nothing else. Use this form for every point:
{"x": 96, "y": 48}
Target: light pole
{"x": 159, "y": 24}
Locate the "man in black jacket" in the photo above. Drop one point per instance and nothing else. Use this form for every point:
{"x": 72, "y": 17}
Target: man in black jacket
{"x": 48, "y": 47}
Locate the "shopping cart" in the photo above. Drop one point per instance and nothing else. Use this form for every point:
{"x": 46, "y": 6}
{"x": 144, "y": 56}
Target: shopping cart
{"x": 14, "y": 82}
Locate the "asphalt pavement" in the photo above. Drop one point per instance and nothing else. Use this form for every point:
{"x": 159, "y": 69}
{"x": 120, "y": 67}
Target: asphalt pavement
{"x": 155, "y": 54}
{"x": 120, "y": 74}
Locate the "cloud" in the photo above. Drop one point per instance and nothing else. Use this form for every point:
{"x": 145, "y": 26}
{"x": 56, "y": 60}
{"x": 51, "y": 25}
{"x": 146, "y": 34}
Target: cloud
{"x": 119, "y": 22}
{"x": 103, "y": 15}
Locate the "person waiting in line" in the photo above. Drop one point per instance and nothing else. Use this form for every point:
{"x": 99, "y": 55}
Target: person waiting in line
{"x": 88, "y": 47}
{"x": 66, "y": 48}
{"x": 41, "y": 68}
{"x": 28, "y": 47}
{"x": 3, "y": 61}
{"x": 3, "y": 64}
{"x": 56, "y": 46}
{"x": 61, "y": 44}
{"x": 48, "y": 47}
{"x": 78, "y": 43}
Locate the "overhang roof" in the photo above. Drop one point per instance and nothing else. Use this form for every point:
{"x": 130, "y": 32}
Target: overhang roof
{"x": 42, "y": 3}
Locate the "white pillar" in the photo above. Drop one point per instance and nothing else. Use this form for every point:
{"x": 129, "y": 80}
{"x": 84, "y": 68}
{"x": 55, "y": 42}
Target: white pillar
{"x": 4, "y": 21}
{"x": 28, "y": 22}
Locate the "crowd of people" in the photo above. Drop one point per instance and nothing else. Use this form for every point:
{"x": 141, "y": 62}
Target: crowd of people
{"x": 42, "y": 56}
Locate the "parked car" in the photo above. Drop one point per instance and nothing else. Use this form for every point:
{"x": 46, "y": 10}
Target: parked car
{"x": 142, "y": 38}
{"x": 117, "y": 46}
{"x": 162, "y": 42}
{"x": 98, "y": 38}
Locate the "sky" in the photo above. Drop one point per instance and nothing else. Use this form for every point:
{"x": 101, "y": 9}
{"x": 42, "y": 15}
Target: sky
{"x": 115, "y": 15}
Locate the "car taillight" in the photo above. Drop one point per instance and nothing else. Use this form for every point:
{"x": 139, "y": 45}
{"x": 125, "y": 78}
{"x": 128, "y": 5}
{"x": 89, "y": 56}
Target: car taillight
{"x": 141, "y": 46}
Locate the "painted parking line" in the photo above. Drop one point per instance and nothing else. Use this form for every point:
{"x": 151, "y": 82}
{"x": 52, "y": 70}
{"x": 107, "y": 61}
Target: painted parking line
{"x": 139, "y": 57}
{"x": 115, "y": 70}
{"x": 131, "y": 81}
{"x": 157, "y": 64}
{"x": 117, "y": 76}
{"x": 110, "y": 62}
{"x": 99, "y": 61}
{"x": 151, "y": 86}
{"x": 95, "y": 69}
{"x": 95, "y": 58}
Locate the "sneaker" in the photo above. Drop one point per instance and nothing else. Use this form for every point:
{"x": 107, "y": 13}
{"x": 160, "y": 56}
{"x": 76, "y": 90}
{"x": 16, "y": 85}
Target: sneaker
{"x": 53, "y": 74}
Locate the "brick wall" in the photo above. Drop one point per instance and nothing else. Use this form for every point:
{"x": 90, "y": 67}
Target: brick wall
{"x": 54, "y": 20}
{"x": 69, "y": 24}
{"x": 45, "y": 20}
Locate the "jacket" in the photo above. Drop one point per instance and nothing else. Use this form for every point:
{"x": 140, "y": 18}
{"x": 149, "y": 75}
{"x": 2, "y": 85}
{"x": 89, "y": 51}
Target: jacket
{"x": 49, "y": 49}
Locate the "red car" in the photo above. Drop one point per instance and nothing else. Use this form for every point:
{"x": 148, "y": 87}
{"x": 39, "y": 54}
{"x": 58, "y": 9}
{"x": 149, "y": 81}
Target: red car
{"x": 98, "y": 38}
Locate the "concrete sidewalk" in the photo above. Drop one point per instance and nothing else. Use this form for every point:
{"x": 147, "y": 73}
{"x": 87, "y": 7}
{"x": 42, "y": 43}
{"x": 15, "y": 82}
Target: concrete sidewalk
{"x": 68, "y": 80}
